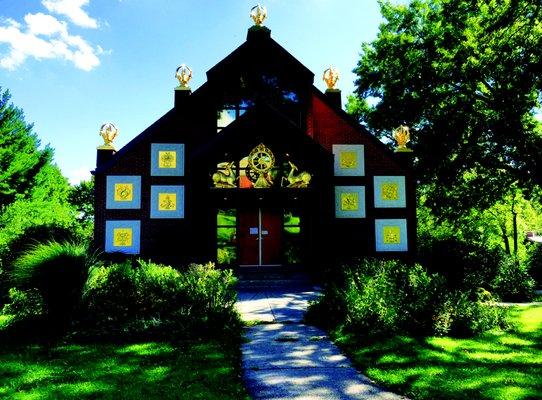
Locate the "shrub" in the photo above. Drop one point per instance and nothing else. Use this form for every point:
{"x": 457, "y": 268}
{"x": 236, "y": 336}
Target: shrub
{"x": 534, "y": 263}
{"x": 143, "y": 297}
{"x": 386, "y": 297}
{"x": 58, "y": 271}
{"x": 513, "y": 282}
{"x": 467, "y": 314}
{"x": 24, "y": 304}
{"x": 463, "y": 265}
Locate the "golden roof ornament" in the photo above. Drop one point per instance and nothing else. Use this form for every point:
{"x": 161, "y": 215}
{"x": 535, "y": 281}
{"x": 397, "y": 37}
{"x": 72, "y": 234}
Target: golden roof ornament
{"x": 402, "y": 137}
{"x": 183, "y": 75}
{"x": 108, "y": 132}
{"x": 330, "y": 77}
{"x": 258, "y": 14}
{"x": 261, "y": 160}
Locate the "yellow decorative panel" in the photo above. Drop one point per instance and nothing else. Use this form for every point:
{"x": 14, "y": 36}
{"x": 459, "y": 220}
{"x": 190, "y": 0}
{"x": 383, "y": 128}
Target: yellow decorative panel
{"x": 167, "y": 159}
{"x": 122, "y": 237}
{"x": 391, "y": 235}
{"x": 348, "y": 159}
{"x": 349, "y": 201}
{"x": 389, "y": 191}
{"x": 167, "y": 201}
{"x": 124, "y": 192}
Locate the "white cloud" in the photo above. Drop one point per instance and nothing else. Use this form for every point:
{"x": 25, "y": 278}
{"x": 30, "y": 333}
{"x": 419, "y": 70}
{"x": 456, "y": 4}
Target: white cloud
{"x": 44, "y": 37}
{"x": 80, "y": 174}
{"x": 72, "y": 10}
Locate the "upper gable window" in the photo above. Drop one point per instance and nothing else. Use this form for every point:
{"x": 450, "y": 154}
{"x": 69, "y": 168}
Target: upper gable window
{"x": 230, "y": 112}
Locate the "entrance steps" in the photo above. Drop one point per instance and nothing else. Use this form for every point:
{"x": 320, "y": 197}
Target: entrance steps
{"x": 272, "y": 277}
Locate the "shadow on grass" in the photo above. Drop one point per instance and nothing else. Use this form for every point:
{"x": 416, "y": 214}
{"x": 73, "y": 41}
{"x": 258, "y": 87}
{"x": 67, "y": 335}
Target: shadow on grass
{"x": 149, "y": 370}
{"x": 497, "y": 365}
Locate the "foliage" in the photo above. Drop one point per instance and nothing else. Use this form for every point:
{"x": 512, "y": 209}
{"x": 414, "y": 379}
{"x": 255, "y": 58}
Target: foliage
{"x": 386, "y": 297}
{"x": 465, "y": 76}
{"x": 123, "y": 371}
{"x": 495, "y": 365}
{"x": 513, "y": 282}
{"x": 81, "y": 197}
{"x": 24, "y": 304}
{"x": 58, "y": 271}
{"x": 20, "y": 159}
{"x": 534, "y": 264}
{"x": 143, "y": 297}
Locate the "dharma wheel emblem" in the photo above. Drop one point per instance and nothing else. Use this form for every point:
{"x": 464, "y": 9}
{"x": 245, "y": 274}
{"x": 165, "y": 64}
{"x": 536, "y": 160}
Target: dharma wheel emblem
{"x": 108, "y": 132}
{"x": 258, "y": 14}
{"x": 183, "y": 75}
{"x": 330, "y": 77}
{"x": 261, "y": 160}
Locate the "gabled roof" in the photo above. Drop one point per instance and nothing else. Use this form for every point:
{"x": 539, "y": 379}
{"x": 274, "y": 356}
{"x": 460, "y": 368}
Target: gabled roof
{"x": 260, "y": 50}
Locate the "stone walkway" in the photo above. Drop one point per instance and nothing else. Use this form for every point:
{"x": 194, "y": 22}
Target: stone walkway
{"x": 285, "y": 359}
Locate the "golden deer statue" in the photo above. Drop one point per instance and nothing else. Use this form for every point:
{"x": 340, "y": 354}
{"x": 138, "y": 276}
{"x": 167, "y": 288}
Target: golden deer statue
{"x": 225, "y": 177}
{"x": 293, "y": 180}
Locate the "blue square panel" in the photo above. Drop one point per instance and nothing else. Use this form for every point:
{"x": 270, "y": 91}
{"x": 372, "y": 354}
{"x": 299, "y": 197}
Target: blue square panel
{"x": 122, "y": 236}
{"x": 167, "y": 201}
{"x": 389, "y": 191}
{"x": 349, "y": 159}
{"x": 350, "y": 201}
{"x": 391, "y": 235}
{"x": 123, "y": 192}
{"x": 167, "y": 159}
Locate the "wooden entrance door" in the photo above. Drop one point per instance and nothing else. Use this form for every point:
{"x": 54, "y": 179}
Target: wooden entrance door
{"x": 259, "y": 236}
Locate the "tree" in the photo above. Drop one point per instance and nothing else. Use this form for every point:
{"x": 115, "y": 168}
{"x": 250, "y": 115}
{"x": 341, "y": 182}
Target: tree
{"x": 21, "y": 161}
{"x": 82, "y": 198}
{"x": 467, "y": 77}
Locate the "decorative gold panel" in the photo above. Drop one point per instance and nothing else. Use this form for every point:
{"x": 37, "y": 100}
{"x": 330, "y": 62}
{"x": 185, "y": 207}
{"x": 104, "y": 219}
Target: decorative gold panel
{"x": 389, "y": 191}
{"x": 349, "y": 201}
{"x": 167, "y": 201}
{"x": 124, "y": 192}
{"x": 122, "y": 237}
{"x": 167, "y": 159}
{"x": 391, "y": 235}
{"x": 348, "y": 159}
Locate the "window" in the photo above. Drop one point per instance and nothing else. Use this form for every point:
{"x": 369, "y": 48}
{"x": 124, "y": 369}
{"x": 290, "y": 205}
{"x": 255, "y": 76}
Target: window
{"x": 292, "y": 237}
{"x": 226, "y": 236}
{"x": 230, "y": 112}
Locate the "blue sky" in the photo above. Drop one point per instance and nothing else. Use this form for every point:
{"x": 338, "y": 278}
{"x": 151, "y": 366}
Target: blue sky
{"x": 72, "y": 65}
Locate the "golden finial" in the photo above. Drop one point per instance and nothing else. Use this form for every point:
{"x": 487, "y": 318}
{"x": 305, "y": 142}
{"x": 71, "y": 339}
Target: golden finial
{"x": 402, "y": 137}
{"x": 108, "y": 132}
{"x": 330, "y": 77}
{"x": 258, "y": 14}
{"x": 183, "y": 75}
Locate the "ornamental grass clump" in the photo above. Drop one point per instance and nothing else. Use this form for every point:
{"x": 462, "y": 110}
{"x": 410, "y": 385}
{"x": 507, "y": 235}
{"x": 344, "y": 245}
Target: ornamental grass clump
{"x": 58, "y": 270}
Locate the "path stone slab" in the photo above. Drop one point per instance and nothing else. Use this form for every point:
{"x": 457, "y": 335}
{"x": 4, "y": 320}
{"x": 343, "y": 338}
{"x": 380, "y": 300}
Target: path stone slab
{"x": 313, "y": 384}
{"x": 285, "y": 359}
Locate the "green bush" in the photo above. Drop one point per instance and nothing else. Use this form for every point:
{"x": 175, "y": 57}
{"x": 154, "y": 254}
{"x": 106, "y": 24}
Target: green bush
{"x": 143, "y": 297}
{"x": 58, "y": 271}
{"x": 24, "y": 304}
{"x": 513, "y": 282}
{"x": 17, "y": 245}
{"x": 464, "y": 266}
{"x": 466, "y": 314}
{"x": 386, "y": 297}
{"x": 534, "y": 263}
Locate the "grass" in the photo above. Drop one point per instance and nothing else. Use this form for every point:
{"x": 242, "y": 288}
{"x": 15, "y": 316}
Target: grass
{"x": 496, "y": 365}
{"x": 150, "y": 370}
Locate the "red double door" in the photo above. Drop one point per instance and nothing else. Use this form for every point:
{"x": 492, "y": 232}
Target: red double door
{"x": 259, "y": 236}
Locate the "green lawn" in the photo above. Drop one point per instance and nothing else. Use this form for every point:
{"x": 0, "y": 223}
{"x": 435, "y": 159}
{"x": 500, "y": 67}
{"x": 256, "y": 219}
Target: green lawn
{"x": 151, "y": 370}
{"x": 497, "y": 365}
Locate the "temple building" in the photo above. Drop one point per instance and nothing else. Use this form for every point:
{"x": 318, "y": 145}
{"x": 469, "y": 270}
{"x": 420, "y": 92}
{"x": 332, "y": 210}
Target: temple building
{"x": 256, "y": 167}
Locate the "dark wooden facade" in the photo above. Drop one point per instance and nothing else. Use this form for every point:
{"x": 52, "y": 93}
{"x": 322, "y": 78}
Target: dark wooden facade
{"x": 275, "y": 103}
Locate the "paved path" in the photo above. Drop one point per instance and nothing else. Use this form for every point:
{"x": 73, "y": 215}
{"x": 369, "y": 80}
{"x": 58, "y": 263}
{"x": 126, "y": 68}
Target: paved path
{"x": 285, "y": 359}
